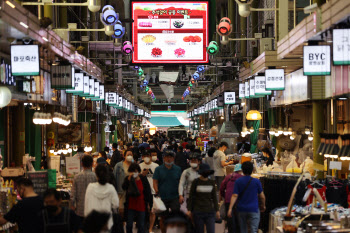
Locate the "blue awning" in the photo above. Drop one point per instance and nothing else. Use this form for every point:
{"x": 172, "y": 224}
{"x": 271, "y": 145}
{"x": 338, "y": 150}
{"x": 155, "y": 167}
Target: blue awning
{"x": 165, "y": 121}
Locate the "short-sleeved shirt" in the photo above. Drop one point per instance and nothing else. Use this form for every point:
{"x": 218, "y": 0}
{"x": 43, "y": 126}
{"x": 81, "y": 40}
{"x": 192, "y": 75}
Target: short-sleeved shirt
{"x": 26, "y": 213}
{"x": 249, "y": 201}
{"x": 168, "y": 181}
{"x": 219, "y": 156}
{"x": 152, "y": 167}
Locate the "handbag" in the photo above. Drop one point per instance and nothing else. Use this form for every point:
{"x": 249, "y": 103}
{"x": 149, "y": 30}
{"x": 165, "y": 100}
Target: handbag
{"x": 158, "y": 205}
{"x": 133, "y": 191}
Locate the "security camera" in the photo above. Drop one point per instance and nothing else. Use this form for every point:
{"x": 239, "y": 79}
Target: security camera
{"x": 119, "y": 30}
{"x": 94, "y": 5}
{"x": 127, "y": 48}
{"x": 213, "y": 48}
{"x": 244, "y": 7}
{"x": 225, "y": 27}
{"x": 109, "y": 16}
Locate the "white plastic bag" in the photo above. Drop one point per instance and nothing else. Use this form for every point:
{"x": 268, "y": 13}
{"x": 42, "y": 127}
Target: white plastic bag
{"x": 293, "y": 166}
{"x": 308, "y": 165}
{"x": 158, "y": 205}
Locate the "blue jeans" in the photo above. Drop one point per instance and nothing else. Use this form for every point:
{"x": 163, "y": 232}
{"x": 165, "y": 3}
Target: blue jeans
{"x": 140, "y": 221}
{"x": 200, "y": 219}
{"x": 249, "y": 219}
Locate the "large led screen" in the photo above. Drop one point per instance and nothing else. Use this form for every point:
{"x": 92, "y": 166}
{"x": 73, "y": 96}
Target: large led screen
{"x": 169, "y": 32}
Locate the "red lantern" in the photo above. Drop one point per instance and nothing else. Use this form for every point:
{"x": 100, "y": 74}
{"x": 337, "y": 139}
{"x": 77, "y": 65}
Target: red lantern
{"x": 189, "y": 88}
{"x": 183, "y": 98}
{"x": 150, "y": 92}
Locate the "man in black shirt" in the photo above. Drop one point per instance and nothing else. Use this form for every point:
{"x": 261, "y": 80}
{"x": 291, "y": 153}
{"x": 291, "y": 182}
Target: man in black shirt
{"x": 26, "y": 212}
{"x": 57, "y": 219}
{"x": 116, "y": 157}
{"x": 181, "y": 158}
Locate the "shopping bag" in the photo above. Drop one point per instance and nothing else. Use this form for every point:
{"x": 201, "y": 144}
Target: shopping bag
{"x": 158, "y": 205}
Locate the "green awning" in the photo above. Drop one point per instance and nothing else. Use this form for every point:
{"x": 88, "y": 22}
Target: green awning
{"x": 165, "y": 121}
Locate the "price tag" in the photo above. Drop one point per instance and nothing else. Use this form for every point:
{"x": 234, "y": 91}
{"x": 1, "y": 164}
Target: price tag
{"x": 335, "y": 165}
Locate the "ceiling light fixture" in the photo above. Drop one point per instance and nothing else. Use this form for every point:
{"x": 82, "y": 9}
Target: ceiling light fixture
{"x": 10, "y": 4}
{"x": 23, "y": 24}
{"x": 45, "y": 39}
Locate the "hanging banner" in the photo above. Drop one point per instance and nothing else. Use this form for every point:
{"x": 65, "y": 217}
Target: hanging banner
{"x": 86, "y": 86}
{"x": 25, "y": 60}
{"x": 102, "y": 92}
{"x": 195, "y": 112}
{"x": 251, "y": 88}
{"x": 274, "y": 79}
{"x": 78, "y": 84}
{"x": 62, "y": 77}
{"x": 317, "y": 60}
{"x": 341, "y": 46}
{"x": 112, "y": 99}
{"x": 97, "y": 90}
{"x": 120, "y": 102}
{"x": 246, "y": 90}
{"x": 241, "y": 91}
{"x": 230, "y": 97}
{"x": 260, "y": 86}
{"x": 92, "y": 87}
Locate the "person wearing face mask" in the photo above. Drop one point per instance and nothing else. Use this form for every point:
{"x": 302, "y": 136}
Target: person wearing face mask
{"x": 148, "y": 168}
{"x": 101, "y": 196}
{"x": 202, "y": 203}
{"x": 155, "y": 158}
{"x": 58, "y": 219}
{"x": 120, "y": 172}
{"x": 165, "y": 145}
{"x": 26, "y": 212}
{"x": 166, "y": 180}
{"x": 188, "y": 176}
{"x": 137, "y": 205}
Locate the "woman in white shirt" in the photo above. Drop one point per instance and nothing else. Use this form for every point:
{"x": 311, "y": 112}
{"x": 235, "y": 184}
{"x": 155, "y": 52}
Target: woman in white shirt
{"x": 101, "y": 196}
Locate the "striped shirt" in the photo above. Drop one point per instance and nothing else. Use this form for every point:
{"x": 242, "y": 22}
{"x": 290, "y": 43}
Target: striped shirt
{"x": 81, "y": 181}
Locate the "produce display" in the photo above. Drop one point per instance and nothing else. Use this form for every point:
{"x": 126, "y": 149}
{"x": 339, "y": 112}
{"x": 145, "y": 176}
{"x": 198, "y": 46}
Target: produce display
{"x": 149, "y": 39}
{"x": 179, "y": 52}
{"x": 157, "y": 52}
{"x": 178, "y": 23}
{"x": 192, "y": 39}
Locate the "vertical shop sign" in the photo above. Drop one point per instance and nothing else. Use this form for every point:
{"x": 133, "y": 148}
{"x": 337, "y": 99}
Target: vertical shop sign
{"x": 251, "y": 88}
{"x": 260, "y": 86}
{"x": 317, "y": 60}
{"x": 246, "y": 90}
{"x": 341, "y": 46}
{"x": 241, "y": 91}
{"x": 274, "y": 79}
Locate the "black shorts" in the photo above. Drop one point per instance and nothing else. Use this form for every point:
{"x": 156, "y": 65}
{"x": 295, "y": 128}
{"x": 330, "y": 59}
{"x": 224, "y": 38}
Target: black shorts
{"x": 171, "y": 205}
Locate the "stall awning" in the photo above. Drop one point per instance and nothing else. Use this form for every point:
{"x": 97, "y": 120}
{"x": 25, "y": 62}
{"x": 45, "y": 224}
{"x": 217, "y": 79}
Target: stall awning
{"x": 165, "y": 121}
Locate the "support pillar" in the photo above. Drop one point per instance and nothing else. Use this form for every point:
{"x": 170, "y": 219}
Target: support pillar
{"x": 243, "y": 35}
{"x": 63, "y": 17}
{"x": 318, "y": 125}
{"x": 254, "y": 25}
{"x": 283, "y": 18}
{"x": 231, "y": 16}
{"x": 48, "y": 12}
{"x": 319, "y": 2}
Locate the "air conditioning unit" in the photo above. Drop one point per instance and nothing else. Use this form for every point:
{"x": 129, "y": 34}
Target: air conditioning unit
{"x": 265, "y": 45}
{"x": 31, "y": 96}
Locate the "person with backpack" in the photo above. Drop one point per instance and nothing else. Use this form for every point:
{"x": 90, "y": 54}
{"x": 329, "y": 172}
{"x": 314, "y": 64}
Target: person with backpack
{"x": 226, "y": 191}
{"x": 58, "y": 219}
{"x": 202, "y": 203}
{"x": 139, "y": 200}
{"x": 246, "y": 195}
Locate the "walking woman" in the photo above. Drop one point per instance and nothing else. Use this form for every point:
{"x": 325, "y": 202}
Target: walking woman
{"x": 138, "y": 201}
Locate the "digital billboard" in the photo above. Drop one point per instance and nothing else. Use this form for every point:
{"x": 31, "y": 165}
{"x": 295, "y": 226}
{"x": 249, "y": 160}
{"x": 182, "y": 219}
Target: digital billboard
{"x": 169, "y": 32}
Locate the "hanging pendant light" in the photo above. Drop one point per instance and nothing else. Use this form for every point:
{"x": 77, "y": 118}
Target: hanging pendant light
{"x": 285, "y": 132}
{"x": 311, "y": 137}
{"x": 307, "y": 131}
{"x": 254, "y": 115}
{"x": 272, "y": 131}
{"x": 251, "y": 129}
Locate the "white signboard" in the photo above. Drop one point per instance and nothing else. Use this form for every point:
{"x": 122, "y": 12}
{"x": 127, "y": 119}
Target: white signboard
{"x": 92, "y": 87}
{"x": 341, "y": 46}
{"x": 317, "y": 60}
{"x": 102, "y": 92}
{"x": 260, "y": 86}
{"x": 246, "y": 91}
{"x": 275, "y": 80}
{"x": 195, "y": 112}
{"x": 25, "y": 60}
{"x": 120, "y": 102}
{"x": 112, "y": 98}
{"x": 97, "y": 90}
{"x": 86, "y": 85}
{"x": 251, "y": 87}
{"x": 78, "y": 84}
{"x": 72, "y": 165}
{"x": 335, "y": 165}
{"x": 230, "y": 97}
{"x": 241, "y": 91}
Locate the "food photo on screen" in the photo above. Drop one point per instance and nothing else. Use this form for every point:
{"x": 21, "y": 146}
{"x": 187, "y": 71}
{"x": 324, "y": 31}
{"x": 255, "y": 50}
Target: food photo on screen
{"x": 170, "y": 32}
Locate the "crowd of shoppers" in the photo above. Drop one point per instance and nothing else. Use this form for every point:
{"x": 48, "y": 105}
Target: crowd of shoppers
{"x": 120, "y": 188}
